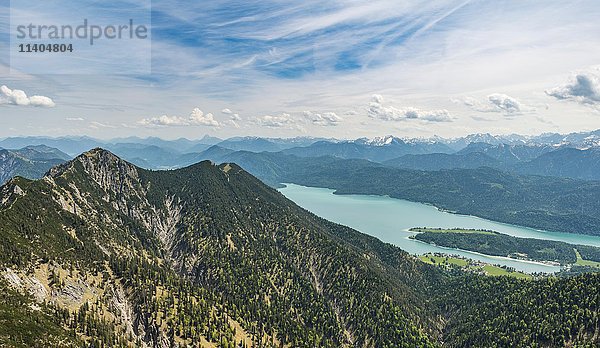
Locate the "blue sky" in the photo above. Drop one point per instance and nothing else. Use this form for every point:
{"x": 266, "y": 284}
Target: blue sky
{"x": 325, "y": 68}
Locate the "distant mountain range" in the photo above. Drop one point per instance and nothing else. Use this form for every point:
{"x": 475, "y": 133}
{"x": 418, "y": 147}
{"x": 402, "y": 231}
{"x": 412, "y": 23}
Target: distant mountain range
{"x": 573, "y": 155}
{"x": 74, "y": 145}
{"x": 30, "y": 162}
{"x": 377, "y": 150}
{"x": 565, "y": 162}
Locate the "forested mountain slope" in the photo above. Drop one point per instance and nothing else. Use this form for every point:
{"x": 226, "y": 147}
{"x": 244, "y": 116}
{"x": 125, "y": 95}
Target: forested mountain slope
{"x": 566, "y": 162}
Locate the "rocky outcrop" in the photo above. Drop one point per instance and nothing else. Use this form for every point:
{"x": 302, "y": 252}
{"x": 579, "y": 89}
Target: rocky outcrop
{"x": 29, "y": 284}
{"x": 10, "y": 192}
{"x": 122, "y": 187}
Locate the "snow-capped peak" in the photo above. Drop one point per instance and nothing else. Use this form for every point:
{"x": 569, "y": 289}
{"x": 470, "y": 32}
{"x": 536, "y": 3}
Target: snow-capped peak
{"x": 380, "y": 141}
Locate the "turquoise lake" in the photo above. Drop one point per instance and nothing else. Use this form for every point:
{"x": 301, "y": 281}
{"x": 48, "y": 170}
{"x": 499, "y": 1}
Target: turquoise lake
{"x": 389, "y": 219}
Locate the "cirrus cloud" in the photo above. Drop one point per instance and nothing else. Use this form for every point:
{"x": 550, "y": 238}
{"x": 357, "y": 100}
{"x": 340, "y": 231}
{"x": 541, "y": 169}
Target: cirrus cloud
{"x": 20, "y": 98}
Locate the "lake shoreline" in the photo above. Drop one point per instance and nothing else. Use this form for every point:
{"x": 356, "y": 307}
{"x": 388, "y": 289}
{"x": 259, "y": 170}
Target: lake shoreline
{"x": 443, "y": 210}
{"x": 544, "y": 263}
{"x": 388, "y": 219}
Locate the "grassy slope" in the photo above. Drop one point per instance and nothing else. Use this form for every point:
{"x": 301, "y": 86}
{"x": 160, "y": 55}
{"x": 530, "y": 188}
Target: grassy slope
{"x": 582, "y": 262}
{"x": 490, "y": 270}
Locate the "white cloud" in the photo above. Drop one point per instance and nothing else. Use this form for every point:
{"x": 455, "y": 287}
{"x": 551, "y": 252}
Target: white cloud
{"x": 280, "y": 121}
{"x": 196, "y": 118}
{"x": 164, "y": 120}
{"x": 377, "y": 98}
{"x": 583, "y": 88}
{"x": 505, "y": 103}
{"x": 496, "y": 102}
{"x": 232, "y": 117}
{"x": 323, "y": 119}
{"x": 19, "y": 97}
{"x": 389, "y": 113}
{"x": 75, "y": 119}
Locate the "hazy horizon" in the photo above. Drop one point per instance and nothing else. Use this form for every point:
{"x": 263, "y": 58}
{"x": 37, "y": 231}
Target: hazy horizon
{"x": 201, "y": 137}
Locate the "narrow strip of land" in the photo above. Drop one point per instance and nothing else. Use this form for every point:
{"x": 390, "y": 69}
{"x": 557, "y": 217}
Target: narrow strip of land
{"x": 497, "y": 244}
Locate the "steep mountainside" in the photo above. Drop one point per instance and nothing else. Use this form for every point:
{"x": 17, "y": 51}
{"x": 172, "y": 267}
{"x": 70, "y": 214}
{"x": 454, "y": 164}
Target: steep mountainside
{"x": 103, "y": 253}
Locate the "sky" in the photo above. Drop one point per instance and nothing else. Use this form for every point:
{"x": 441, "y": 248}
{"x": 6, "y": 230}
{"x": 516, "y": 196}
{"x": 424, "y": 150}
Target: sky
{"x": 343, "y": 69}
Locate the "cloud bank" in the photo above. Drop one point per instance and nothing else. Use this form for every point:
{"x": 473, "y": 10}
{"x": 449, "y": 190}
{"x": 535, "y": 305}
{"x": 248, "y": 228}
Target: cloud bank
{"x": 20, "y": 98}
{"x": 196, "y": 118}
